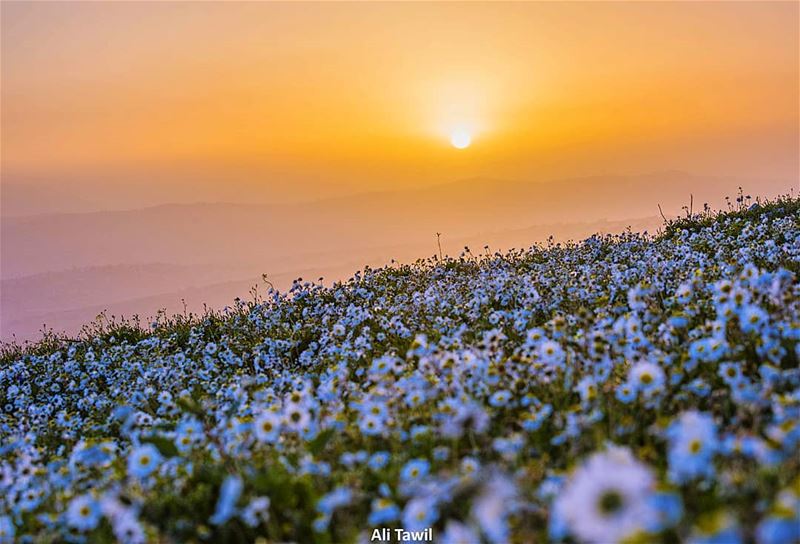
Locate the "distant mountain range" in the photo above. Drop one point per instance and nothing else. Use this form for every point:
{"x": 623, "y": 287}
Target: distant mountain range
{"x": 63, "y": 269}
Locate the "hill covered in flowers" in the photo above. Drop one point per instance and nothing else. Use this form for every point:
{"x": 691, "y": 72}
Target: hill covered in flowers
{"x": 631, "y": 387}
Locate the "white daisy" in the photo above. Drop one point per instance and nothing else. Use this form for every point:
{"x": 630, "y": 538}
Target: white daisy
{"x": 605, "y": 500}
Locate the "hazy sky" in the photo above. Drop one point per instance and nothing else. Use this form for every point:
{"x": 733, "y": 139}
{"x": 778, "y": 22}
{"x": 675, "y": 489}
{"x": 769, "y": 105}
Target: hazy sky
{"x": 308, "y": 99}
{"x": 110, "y": 106}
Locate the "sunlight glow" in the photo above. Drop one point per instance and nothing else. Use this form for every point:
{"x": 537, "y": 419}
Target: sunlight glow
{"x": 460, "y": 139}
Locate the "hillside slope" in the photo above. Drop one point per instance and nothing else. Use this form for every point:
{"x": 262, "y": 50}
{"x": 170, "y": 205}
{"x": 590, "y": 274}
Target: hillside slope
{"x": 66, "y": 300}
{"x": 627, "y": 386}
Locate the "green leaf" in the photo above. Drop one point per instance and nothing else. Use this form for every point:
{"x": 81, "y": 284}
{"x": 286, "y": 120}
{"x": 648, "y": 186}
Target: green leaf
{"x": 164, "y": 445}
{"x": 189, "y": 404}
{"x": 320, "y": 441}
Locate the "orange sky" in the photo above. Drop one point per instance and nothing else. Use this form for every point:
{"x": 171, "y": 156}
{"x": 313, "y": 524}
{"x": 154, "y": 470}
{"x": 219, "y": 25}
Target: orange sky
{"x": 310, "y": 98}
{"x": 160, "y": 120}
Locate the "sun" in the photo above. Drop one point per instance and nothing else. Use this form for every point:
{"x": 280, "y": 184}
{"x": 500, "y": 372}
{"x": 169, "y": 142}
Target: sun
{"x": 460, "y": 139}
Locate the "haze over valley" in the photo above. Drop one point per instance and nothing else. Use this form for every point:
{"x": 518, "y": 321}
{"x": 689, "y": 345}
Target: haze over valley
{"x": 63, "y": 269}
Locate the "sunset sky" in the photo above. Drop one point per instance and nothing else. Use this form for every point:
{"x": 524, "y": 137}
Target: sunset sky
{"x": 318, "y": 99}
{"x": 161, "y": 155}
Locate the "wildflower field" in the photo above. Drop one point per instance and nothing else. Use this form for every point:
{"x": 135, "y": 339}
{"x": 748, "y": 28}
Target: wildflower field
{"x": 635, "y": 387}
